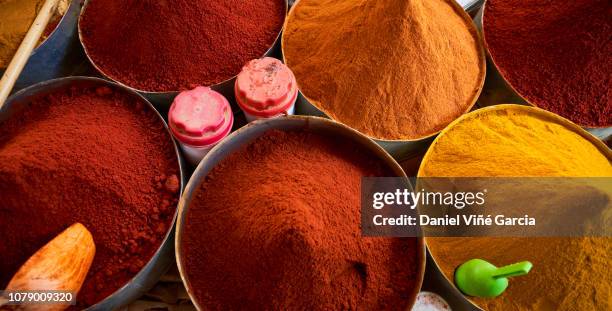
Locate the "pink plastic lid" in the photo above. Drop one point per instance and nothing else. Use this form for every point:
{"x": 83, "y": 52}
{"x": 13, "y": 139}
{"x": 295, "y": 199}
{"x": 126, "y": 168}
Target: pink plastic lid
{"x": 200, "y": 117}
{"x": 265, "y": 87}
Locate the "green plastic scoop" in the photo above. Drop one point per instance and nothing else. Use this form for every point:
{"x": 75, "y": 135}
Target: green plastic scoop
{"x": 480, "y": 278}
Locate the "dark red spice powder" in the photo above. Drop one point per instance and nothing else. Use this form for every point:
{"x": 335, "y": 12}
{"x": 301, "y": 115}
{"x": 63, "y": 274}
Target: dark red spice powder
{"x": 556, "y": 54}
{"x": 95, "y": 156}
{"x": 155, "y": 45}
{"x": 276, "y": 226}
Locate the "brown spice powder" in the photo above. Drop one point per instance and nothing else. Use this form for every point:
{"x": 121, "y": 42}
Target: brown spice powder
{"x": 283, "y": 213}
{"x": 393, "y": 70}
{"x": 90, "y": 155}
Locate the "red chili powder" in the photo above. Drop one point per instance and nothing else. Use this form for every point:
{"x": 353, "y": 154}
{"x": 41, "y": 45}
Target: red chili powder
{"x": 155, "y": 45}
{"x": 276, "y": 226}
{"x": 94, "y": 156}
{"x": 556, "y": 54}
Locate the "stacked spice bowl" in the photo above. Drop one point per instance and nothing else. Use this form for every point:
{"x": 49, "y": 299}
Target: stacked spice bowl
{"x": 149, "y": 46}
{"x": 554, "y": 57}
{"x": 247, "y": 217}
{"x": 90, "y": 151}
{"x": 399, "y": 90}
{"x": 534, "y": 142}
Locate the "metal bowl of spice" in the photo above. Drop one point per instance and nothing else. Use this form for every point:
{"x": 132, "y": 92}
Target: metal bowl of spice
{"x": 555, "y": 57}
{"x": 396, "y": 71}
{"x": 88, "y": 150}
{"x": 53, "y": 56}
{"x": 159, "y": 48}
{"x": 534, "y": 143}
{"x": 271, "y": 218}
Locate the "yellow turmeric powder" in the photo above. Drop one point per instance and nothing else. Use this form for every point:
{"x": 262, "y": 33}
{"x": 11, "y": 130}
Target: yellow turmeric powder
{"x": 512, "y": 140}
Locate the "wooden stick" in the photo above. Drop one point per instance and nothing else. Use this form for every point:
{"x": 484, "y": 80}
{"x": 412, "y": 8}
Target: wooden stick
{"x": 60, "y": 265}
{"x": 28, "y": 44}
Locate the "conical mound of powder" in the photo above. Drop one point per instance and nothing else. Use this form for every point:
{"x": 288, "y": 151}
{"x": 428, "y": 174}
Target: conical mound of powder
{"x": 275, "y": 226}
{"x": 395, "y": 70}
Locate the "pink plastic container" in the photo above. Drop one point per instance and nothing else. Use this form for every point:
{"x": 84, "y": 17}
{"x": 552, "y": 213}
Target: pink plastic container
{"x": 266, "y": 88}
{"x": 199, "y": 119}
